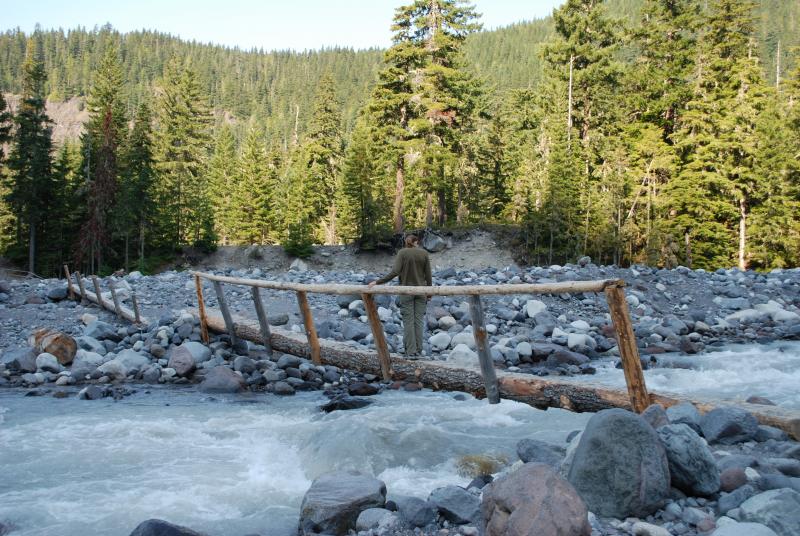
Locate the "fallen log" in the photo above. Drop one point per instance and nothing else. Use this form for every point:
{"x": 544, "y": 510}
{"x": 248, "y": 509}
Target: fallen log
{"x": 536, "y": 391}
{"x": 97, "y": 298}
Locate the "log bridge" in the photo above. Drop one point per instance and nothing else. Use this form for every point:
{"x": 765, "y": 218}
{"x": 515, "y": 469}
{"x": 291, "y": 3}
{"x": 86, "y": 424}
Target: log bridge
{"x": 485, "y": 381}
{"x": 77, "y": 291}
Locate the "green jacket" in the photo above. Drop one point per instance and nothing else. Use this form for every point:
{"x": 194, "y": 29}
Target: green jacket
{"x": 413, "y": 266}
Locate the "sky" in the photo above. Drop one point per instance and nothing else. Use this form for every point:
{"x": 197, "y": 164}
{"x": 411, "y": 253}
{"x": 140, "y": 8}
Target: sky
{"x": 267, "y": 24}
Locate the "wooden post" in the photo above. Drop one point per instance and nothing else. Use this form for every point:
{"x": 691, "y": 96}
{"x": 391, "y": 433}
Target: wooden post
{"x": 226, "y": 315}
{"x": 96, "y": 283}
{"x": 201, "y": 307}
{"x": 266, "y": 336}
{"x": 311, "y": 330}
{"x": 82, "y": 288}
{"x": 115, "y": 298}
{"x": 70, "y": 290}
{"x": 485, "y": 357}
{"x": 136, "y": 315}
{"x": 626, "y": 342}
{"x": 380, "y": 338}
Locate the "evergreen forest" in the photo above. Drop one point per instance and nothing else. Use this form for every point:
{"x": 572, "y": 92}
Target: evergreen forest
{"x": 664, "y": 132}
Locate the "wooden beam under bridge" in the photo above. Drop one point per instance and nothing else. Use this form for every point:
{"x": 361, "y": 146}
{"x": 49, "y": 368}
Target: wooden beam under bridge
{"x": 540, "y": 392}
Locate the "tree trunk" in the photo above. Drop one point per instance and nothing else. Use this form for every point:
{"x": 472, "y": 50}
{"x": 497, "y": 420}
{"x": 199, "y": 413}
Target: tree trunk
{"x": 569, "y": 100}
{"x": 688, "y": 250}
{"x": 330, "y": 239}
{"x": 399, "y": 189}
{"x": 742, "y": 234}
{"x": 32, "y": 248}
{"x": 127, "y": 251}
{"x": 429, "y": 210}
{"x": 442, "y": 208}
{"x": 141, "y": 245}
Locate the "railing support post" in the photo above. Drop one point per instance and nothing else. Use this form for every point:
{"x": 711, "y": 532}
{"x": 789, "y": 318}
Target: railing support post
{"x": 484, "y": 356}
{"x": 263, "y": 324}
{"x": 201, "y": 307}
{"x": 115, "y": 298}
{"x": 84, "y": 297}
{"x": 137, "y": 317}
{"x": 311, "y": 330}
{"x": 236, "y": 343}
{"x": 379, "y": 336}
{"x": 70, "y": 290}
{"x": 629, "y": 353}
{"x": 100, "y": 301}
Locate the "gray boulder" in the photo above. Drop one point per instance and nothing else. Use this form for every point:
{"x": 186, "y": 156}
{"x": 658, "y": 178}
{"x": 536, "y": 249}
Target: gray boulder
{"x": 132, "y": 361}
{"x": 221, "y": 379}
{"x": 415, "y": 511}
{"x": 57, "y": 294}
{"x": 334, "y": 501}
{"x": 456, "y": 504}
{"x": 199, "y": 352}
{"x": 20, "y": 360}
{"x": 533, "y": 500}
{"x": 433, "y": 242}
{"x": 691, "y": 464}
{"x": 47, "y": 363}
{"x": 743, "y": 529}
{"x": 655, "y": 415}
{"x": 685, "y": 413}
{"x": 354, "y": 331}
{"x": 114, "y": 369}
{"x": 728, "y": 425}
{"x": 90, "y": 344}
{"x": 157, "y": 527}
{"x": 779, "y": 509}
{"x": 620, "y": 467}
{"x": 734, "y": 499}
{"x": 101, "y": 331}
{"x": 244, "y": 364}
{"x": 533, "y": 450}
{"x": 378, "y": 519}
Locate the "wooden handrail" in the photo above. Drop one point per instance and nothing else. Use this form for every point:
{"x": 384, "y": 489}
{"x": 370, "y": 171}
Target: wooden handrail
{"x": 613, "y": 288}
{"x": 571, "y": 287}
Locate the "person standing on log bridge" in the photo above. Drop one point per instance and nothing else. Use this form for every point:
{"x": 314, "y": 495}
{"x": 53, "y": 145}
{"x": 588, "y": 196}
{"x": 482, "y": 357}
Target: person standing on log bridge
{"x": 413, "y": 266}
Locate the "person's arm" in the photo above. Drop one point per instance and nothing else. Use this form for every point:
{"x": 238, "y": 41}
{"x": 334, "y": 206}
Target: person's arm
{"x": 391, "y": 275}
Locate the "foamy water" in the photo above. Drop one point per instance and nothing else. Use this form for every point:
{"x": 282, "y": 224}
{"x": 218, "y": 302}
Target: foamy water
{"x": 236, "y": 466}
{"x": 734, "y": 373}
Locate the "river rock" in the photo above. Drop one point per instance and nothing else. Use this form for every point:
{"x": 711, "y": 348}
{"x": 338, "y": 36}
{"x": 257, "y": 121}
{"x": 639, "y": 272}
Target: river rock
{"x": 354, "y": 331}
{"x": 533, "y": 501}
{"x": 533, "y": 450}
{"x": 415, "y": 511}
{"x": 221, "y": 379}
{"x": 732, "y": 478}
{"x": 157, "y": 527}
{"x": 334, "y": 501}
{"x": 182, "y": 363}
{"x": 465, "y": 338}
{"x": 378, "y": 519}
{"x": 244, "y": 364}
{"x": 101, "y": 331}
{"x": 199, "y": 352}
{"x": 620, "y": 467}
{"x": 90, "y": 344}
{"x": 728, "y": 425}
{"x": 729, "y": 501}
{"x": 456, "y": 504}
{"x": 433, "y": 242}
{"x": 565, "y": 357}
{"x": 362, "y": 389}
{"x": 534, "y": 307}
{"x": 47, "y": 363}
{"x": 342, "y": 403}
{"x": 779, "y": 509}
{"x": 691, "y": 464}
{"x": 743, "y": 529}
{"x": 92, "y": 392}
{"x": 133, "y": 361}
{"x": 56, "y": 343}
{"x": 640, "y": 528}
{"x": 462, "y": 356}
{"x": 655, "y": 415}
{"x": 685, "y": 413}
{"x": 20, "y": 360}
{"x": 440, "y": 341}
{"x": 151, "y": 374}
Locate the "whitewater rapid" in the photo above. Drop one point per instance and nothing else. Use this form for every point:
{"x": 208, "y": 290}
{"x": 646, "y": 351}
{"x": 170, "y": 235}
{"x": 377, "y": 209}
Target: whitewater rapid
{"x": 233, "y": 466}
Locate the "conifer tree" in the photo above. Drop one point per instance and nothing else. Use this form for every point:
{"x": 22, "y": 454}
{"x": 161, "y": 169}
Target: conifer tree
{"x": 223, "y": 183}
{"x": 105, "y": 132}
{"x": 252, "y": 194}
{"x": 31, "y": 183}
{"x": 6, "y": 215}
{"x": 179, "y": 147}
{"x": 136, "y": 204}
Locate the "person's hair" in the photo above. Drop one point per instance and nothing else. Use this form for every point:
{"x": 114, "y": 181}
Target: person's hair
{"x": 411, "y": 240}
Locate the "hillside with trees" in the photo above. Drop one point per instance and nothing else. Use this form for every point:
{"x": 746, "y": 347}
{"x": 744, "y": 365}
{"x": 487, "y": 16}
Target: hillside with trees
{"x": 656, "y": 131}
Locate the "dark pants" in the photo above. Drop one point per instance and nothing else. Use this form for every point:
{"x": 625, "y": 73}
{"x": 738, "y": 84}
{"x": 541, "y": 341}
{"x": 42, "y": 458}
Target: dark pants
{"x": 413, "y": 310}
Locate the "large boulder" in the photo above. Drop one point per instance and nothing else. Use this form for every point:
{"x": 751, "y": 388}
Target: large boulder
{"x": 728, "y": 425}
{"x": 157, "y": 527}
{"x": 415, "y": 511}
{"x": 20, "y": 360}
{"x": 133, "y": 361}
{"x": 691, "y": 464}
{"x": 534, "y": 501}
{"x": 199, "y": 353}
{"x": 333, "y": 502}
{"x": 456, "y": 504}
{"x": 114, "y": 369}
{"x": 221, "y": 379}
{"x": 620, "y": 467}
{"x": 779, "y": 509}
{"x": 433, "y": 242}
{"x": 101, "y": 331}
{"x": 533, "y": 450}
{"x": 47, "y": 363}
{"x": 58, "y": 344}
{"x": 685, "y": 413}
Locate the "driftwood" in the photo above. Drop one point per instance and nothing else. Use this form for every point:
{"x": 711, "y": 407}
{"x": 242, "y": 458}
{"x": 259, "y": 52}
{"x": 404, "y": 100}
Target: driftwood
{"x": 539, "y": 392}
